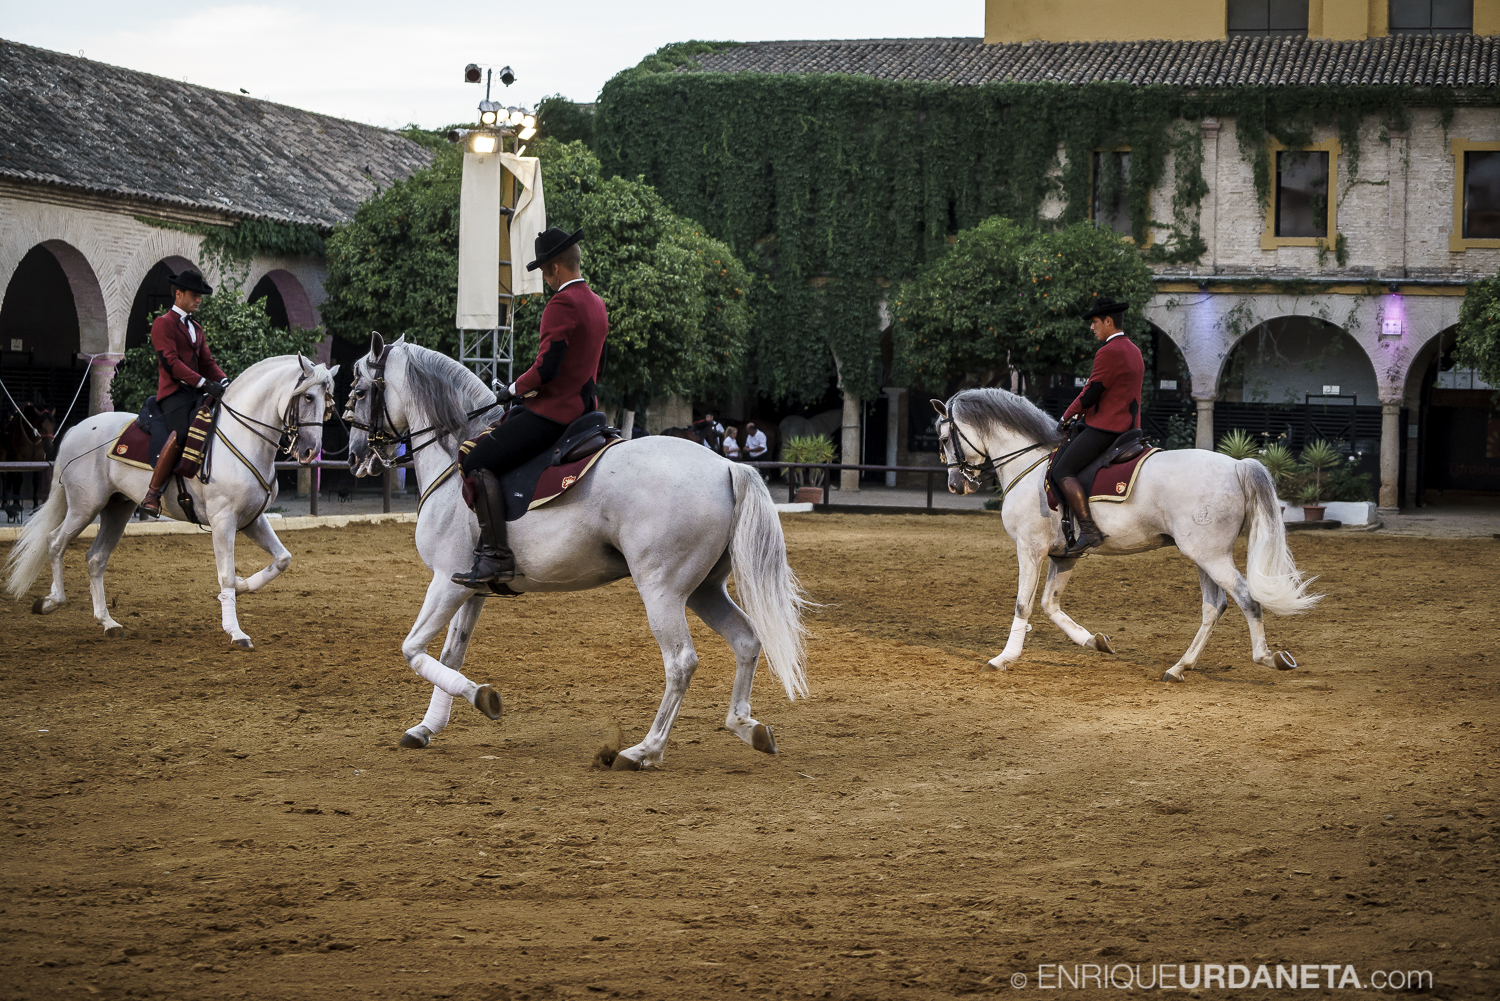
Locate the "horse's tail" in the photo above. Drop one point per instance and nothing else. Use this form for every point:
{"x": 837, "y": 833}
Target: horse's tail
{"x": 767, "y": 587}
{"x": 1273, "y": 576}
{"x": 29, "y": 554}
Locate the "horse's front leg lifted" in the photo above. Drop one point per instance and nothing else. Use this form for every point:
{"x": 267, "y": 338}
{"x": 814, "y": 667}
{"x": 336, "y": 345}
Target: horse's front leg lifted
{"x": 1058, "y": 575}
{"x": 1030, "y": 565}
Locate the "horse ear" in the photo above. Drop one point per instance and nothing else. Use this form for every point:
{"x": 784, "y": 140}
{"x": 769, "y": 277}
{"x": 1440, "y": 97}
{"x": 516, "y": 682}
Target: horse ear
{"x": 401, "y": 339}
{"x": 940, "y": 407}
{"x": 307, "y": 369}
{"x": 333, "y": 371}
{"x": 377, "y": 345}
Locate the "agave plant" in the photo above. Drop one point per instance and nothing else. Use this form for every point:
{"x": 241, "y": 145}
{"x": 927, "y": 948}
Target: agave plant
{"x": 1317, "y": 457}
{"x": 1238, "y": 445}
{"x": 1281, "y": 464}
{"x": 808, "y": 448}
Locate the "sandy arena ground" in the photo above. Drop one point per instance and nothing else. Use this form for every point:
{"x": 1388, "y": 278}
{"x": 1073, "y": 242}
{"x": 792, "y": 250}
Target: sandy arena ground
{"x": 186, "y": 821}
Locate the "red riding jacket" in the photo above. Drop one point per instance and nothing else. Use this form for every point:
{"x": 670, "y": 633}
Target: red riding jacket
{"x": 1112, "y": 399}
{"x": 181, "y": 358}
{"x": 566, "y": 372}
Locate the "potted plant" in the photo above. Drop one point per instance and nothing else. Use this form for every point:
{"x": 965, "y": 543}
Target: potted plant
{"x": 1316, "y": 458}
{"x": 808, "y": 448}
{"x": 1238, "y": 445}
{"x": 1282, "y": 466}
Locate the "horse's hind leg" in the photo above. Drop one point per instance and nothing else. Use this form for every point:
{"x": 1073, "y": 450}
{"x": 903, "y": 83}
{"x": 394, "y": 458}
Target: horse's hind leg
{"x": 74, "y": 522}
{"x": 455, "y": 649}
{"x": 712, "y": 604}
{"x": 1214, "y": 603}
{"x": 1228, "y": 577}
{"x": 112, "y": 522}
{"x": 1058, "y": 575}
{"x": 666, "y": 613}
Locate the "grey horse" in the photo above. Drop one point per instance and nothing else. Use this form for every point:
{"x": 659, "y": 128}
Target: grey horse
{"x": 1194, "y": 499}
{"x": 286, "y": 395}
{"x": 670, "y": 514}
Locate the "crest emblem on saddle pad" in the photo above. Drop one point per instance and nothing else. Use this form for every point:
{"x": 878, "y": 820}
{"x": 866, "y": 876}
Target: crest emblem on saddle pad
{"x": 1119, "y": 488}
{"x": 123, "y": 449}
{"x": 568, "y": 481}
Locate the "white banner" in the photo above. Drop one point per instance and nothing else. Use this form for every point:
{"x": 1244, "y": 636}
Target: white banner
{"x": 479, "y": 242}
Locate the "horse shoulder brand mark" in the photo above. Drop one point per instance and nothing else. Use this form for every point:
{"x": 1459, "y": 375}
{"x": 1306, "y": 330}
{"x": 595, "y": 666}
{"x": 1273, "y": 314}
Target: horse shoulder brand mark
{"x": 1204, "y": 515}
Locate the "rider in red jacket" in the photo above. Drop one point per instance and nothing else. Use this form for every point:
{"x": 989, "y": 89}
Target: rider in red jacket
{"x": 560, "y": 387}
{"x": 1110, "y": 405}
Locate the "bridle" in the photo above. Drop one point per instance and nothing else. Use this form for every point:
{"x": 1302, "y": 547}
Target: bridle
{"x": 983, "y": 464}
{"x": 381, "y": 431}
{"x": 291, "y": 422}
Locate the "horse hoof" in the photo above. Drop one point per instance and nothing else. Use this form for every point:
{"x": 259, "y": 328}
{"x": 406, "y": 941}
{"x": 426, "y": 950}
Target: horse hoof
{"x": 413, "y": 741}
{"x": 624, "y": 764}
{"x": 487, "y": 701}
{"x": 243, "y": 644}
{"x": 39, "y": 607}
{"x": 1284, "y": 661}
{"x": 1170, "y": 677}
{"x": 762, "y": 740}
{"x": 115, "y": 632}
{"x": 1103, "y": 644}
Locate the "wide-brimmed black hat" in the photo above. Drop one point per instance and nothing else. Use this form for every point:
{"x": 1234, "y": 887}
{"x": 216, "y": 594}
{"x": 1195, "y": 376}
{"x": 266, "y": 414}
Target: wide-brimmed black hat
{"x": 552, "y": 243}
{"x": 1106, "y": 307}
{"x": 191, "y": 281}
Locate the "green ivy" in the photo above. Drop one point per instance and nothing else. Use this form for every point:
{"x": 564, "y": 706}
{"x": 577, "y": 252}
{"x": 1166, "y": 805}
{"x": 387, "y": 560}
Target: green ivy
{"x": 834, "y": 186}
{"x": 247, "y": 238}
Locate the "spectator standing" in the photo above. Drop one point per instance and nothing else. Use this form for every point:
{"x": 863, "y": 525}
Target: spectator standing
{"x": 731, "y": 446}
{"x": 755, "y": 442}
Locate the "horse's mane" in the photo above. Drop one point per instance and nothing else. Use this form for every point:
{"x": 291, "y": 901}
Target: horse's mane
{"x": 988, "y": 410}
{"x": 445, "y": 391}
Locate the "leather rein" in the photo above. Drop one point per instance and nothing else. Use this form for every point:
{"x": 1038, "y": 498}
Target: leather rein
{"x": 983, "y": 465}
{"x": 381, "y": 430}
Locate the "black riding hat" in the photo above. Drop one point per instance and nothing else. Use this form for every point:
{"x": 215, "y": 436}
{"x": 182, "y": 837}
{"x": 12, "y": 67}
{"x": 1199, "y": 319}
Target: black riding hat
{"x": 190, "y": 280}
{"x": 1106, "y": 307}
{"x": 552, "y": 243}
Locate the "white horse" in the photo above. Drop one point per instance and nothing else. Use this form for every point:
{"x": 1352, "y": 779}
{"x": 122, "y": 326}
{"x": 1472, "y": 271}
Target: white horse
{"x": 1197, "y": 500}
{"x": 285, "y": 395}
{"x": 669, "y": 513}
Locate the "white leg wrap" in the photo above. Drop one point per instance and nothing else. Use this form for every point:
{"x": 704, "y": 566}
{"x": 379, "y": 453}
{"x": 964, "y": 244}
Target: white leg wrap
{"x": 1018, "y": 630}
{"x": 438, "y": 711}
{"x": 228, "y": 616}
{"x": 445, "y": 679}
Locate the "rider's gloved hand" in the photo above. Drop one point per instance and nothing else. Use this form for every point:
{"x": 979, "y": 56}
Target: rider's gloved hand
{"x": 1062, "y": 426}
{"x": 502, "y": 392}
{"x": 215, "y": 389}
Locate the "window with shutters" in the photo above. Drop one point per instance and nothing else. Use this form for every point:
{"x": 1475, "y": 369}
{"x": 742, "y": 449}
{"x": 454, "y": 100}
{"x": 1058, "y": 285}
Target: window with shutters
{"x": 1267, "y": 17}
{"x": 1431, "y": 17}
{"x": 1476, "y": 195}
{"x": 1111, "y": 207}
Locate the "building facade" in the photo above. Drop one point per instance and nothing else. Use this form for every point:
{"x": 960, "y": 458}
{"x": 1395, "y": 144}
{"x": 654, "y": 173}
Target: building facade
{"x": 110, "y": 180}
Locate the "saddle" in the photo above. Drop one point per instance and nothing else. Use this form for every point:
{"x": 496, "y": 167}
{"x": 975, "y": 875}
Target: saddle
{"x": 550, "y": 474}
{"x": 142, "y": 440}
{"x": 1110, "y": 479}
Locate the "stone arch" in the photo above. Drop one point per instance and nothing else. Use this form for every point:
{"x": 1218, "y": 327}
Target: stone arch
{"x": 290, "y": 303}
{"x": 152, "y": 291}
{"x": 1285, "y": 358}
{"x": 50, "y": 258}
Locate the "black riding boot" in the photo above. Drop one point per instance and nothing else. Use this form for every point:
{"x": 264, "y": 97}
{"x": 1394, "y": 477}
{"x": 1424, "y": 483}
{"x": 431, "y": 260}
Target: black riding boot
{"x": 493, "y": 560}
{"x": 1089, "y": 535}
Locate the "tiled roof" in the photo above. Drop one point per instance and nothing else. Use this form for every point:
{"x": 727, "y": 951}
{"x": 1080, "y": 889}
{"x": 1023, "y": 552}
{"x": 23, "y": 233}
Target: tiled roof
{"x": 1428, "y": 61}
{"x": 91, "y": 127}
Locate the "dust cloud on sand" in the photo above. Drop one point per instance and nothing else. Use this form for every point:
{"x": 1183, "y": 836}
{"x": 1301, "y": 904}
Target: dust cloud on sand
{"x": 184, "y": 820}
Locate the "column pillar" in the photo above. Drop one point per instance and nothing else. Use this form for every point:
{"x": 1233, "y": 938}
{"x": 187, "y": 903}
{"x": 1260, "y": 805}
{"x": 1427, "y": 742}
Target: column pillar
{"x": 1205, "y": 437}
{"x": 849, "y": 443}
{"x": 893, "y": 396}
{"x": 1390, "y": 457}
{"x": 101, "y": 373}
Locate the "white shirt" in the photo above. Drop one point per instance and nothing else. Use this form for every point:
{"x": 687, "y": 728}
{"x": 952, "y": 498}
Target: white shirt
{"x": 731, "y": 448}
{"x": 187, "y": 321}
{"x": 756, "y": 444}
{"x": 1113, "y": 336}
{"x": 564, "y": 285}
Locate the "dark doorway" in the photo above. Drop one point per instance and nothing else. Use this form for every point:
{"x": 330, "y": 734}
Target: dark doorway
{"x": 275, "y": 305}
{"x": 39, "y": 342}
{"x": 154, "y": 295}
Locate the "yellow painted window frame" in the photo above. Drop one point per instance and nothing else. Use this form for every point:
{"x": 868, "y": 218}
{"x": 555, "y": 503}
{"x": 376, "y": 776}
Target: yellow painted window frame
{"x": 1093, "y": 180}
{"x": 1457, "y": 244}
{"x": 1268, "y": 238}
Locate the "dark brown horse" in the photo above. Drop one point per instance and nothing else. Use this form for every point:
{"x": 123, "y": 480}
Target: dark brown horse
{"x": 28, "y": 436}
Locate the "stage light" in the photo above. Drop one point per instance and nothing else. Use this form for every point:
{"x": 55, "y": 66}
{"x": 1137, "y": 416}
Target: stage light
{"x": 472, "y": 74}
{"x": 483, "y": 143}
{"x": 507, "y": 76}
{"x": 526, "y": 133}
{"x": 489, "y": 112}
{"x": 529, "y": 121}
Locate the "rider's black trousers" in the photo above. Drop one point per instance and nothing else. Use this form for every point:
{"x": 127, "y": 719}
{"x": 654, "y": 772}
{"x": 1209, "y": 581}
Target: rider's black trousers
{"x": 518, "y": 439}
{"x": 1082, "y": 450}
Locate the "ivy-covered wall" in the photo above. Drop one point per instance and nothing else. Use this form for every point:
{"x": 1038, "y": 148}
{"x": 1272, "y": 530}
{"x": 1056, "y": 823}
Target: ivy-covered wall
{"x": 835, "y": 186}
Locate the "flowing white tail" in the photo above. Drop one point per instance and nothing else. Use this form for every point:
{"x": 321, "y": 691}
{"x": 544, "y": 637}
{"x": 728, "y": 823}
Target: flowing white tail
{"x": 1270, "y": 571}
{"x": 30, "y": 552}
{"x": 766, "y": 584}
